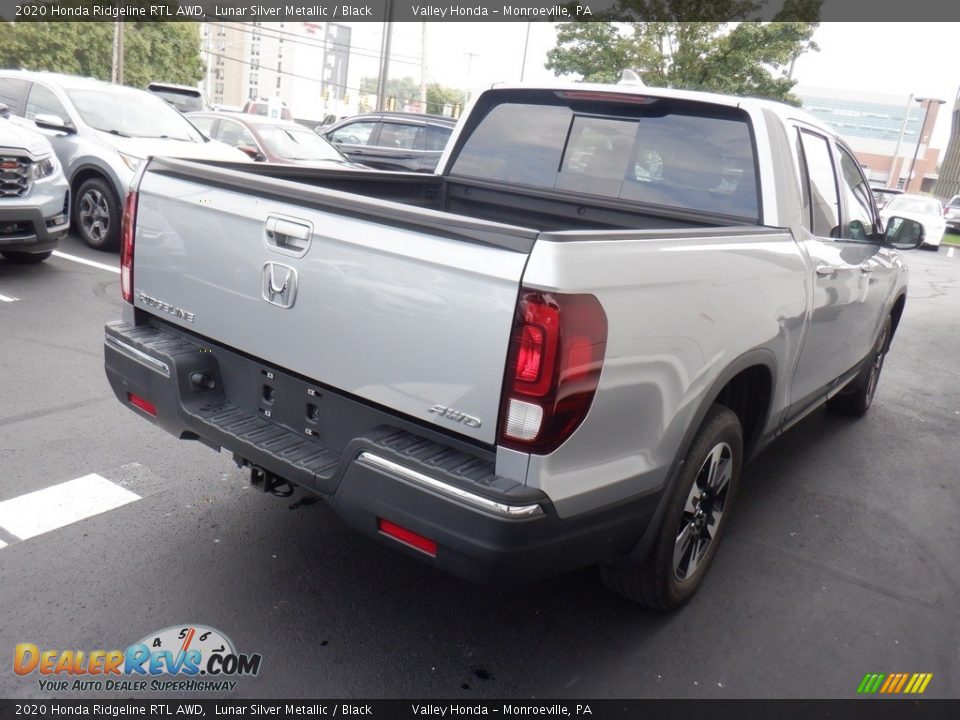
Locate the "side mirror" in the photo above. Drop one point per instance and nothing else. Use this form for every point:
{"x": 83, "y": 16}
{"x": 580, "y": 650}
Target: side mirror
{"x": 904, "y": 234}
{"x": 52, "y": 122}
{"x": 252, "y": 152}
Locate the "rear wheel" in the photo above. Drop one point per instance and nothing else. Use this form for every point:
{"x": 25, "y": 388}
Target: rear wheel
{"x": 857, "y": 398}
{"x": 695, "y": 518}
{"x": 25, "y": 258}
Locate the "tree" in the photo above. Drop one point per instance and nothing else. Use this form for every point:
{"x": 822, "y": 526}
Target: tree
{"x": 167, "y": 51}
{"x": 740, "y": 58}
{"x": 439, "y": 96}
{"x": 403, "y": 90}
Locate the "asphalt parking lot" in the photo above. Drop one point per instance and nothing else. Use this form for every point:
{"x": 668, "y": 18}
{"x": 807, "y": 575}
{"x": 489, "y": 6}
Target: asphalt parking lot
{"x": 842, "y": 559}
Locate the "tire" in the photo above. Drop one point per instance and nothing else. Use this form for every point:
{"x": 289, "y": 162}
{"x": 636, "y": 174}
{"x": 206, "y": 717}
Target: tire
{"x": 857, "y": 398}
{"x": 697, "y": 513}
{"x": 25, "y": 258}
{"x": 96, "y": 214}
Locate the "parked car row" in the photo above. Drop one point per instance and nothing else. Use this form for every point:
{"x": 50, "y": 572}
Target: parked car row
{"x": 101, "y": 133}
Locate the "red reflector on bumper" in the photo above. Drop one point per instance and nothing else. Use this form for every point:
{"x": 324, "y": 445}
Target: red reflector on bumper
{"x": 145, "y": 405}
{"x": 408, "y": 537}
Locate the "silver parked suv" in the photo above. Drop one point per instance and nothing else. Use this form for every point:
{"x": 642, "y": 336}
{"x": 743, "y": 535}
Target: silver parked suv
{"x": 101, "y": 133}
{"x": 951, "y": 213}
{"x": 34, "y": 195}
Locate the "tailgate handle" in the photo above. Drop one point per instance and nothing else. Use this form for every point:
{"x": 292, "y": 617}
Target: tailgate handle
{"x": 291, "y": 237}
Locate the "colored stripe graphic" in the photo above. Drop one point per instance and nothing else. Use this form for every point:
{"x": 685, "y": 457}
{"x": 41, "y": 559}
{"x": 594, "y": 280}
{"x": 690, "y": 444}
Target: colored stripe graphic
{"x": 894, "y": 683}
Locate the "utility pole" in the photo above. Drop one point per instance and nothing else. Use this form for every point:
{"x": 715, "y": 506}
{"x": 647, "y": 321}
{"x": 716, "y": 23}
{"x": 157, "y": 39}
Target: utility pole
{"x": 892, "y": 180}
{"x": 384, "y": 60}
{"x": 423, "y": 67}
{"x": 526, "y": 45}
{"x": 116, "y": 68}
{"x": 926, "y": 111}
{"x": 466, "y": 92}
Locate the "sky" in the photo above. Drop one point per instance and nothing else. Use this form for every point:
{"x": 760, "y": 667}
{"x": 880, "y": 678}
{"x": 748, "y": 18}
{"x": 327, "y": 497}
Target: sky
{"x": 890, "y": 58}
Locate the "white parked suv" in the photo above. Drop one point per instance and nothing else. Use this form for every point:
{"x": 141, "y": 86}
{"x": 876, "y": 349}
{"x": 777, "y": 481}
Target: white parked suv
{"x": 34, "y": 195}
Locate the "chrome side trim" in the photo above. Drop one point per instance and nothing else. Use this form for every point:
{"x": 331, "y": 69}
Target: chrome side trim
{"x": 469, "y": 498}
{"x": 137, "y": 355}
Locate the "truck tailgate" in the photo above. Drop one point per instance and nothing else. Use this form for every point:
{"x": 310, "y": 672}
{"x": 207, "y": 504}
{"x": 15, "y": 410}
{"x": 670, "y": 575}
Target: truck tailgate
{"x": 404, "y": 307}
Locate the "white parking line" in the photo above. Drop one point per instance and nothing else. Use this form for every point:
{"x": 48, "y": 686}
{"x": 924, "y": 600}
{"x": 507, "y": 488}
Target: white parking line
{"x": 44, "y": 510}
{"x": 84, "y": 261}
{"x": 7, "y": 298}
{"x": 2, "y": 544}
{"x": 949, "y": 252}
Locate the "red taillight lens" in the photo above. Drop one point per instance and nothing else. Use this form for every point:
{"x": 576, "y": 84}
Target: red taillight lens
{"x": 553, "y": 369}
{"x": 145, "y": 405}
{"x": 126, "y": 250}
{"x": 407, "y": 537}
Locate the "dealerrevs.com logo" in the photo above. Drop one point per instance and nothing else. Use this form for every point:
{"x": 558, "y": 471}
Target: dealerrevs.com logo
{"x": 180, "y": 658}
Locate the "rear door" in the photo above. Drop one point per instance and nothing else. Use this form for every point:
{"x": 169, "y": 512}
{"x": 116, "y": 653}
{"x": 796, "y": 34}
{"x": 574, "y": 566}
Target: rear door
{"x": 837, "y": 279}
{"x": 406, "y": 308}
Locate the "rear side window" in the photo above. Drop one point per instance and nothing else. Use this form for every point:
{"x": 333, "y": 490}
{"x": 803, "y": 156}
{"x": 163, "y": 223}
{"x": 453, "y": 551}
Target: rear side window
{"x": 437, "y": 137}
{"x": 401, "y": 136}
{"x": 824, "y": 199}
{"x": 12, "y": 93}
{"x": 677, "y": 156}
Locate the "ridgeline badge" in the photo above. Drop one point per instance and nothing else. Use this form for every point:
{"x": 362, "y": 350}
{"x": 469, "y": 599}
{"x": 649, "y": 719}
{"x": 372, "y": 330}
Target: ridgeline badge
{"x": 184, "y": 651}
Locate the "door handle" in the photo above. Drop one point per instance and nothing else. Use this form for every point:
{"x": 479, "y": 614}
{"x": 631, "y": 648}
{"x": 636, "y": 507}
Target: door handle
{"x": 866, "y": 269}
{"x": 826, "y": 270}
{"x": 291, "y": 237}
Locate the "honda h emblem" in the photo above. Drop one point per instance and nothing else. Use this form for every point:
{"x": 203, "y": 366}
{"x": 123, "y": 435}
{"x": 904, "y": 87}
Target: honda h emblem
{"x": 279, "y": 284}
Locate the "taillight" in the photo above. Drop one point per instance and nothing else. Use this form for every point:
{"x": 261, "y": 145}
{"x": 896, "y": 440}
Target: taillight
{"x": 553, "y": 368}
{"x": 126, "y": 251}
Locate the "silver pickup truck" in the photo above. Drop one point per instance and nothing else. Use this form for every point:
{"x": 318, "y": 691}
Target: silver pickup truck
{"x": 557, "y": 351}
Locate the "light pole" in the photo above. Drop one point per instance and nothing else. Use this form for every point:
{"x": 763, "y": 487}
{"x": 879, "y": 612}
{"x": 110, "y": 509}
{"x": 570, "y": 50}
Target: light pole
{"x": 926, "y": 110}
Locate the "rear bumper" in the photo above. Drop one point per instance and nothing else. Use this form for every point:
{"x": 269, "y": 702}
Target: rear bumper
{"x": 382, "y": 468}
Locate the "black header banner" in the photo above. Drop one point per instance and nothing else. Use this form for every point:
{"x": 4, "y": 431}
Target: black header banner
{"x": 887, "y": 709}
{"x": 481, "y": 11}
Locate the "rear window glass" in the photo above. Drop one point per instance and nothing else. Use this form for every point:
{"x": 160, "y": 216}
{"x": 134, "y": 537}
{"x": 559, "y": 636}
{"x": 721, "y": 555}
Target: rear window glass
{"x": 657, "y": 154}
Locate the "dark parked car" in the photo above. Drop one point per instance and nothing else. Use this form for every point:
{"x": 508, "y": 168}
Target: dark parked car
{"x": 269, "y": 139}
{"x": 393, "y": 141}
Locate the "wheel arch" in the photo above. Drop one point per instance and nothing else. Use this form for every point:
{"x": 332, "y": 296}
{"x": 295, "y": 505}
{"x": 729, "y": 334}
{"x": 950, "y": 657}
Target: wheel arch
{"x": 751, "y": 372}
{"x": 87, "y": 171}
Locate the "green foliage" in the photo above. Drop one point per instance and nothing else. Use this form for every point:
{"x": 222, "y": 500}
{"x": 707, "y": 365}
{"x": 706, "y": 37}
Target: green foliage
{"x": 402, "y": 89}
{"x": 739, "y": 58}
{"x": 164, "y": 51}
{"x": 438, "y": 96}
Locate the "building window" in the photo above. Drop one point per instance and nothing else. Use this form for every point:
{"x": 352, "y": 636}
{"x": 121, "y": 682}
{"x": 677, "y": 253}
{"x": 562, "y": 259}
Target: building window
{"x": 901, "y": 183}
{"x": 218, "y": 88}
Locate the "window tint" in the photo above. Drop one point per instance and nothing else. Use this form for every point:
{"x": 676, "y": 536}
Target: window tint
{"x": 43, "y": 101}
{"x": 517, "y": 143}
{"x": 437, "y": 137}
{"x": 825, "y": 217}
{"x": 357, "y": 133}
{"x": 659, "y": 156}
{"x": 12, "y": 92}
{"x": 858, "y": 222}
{"x": 235, "y": 134}
{"x": 401, "y": 136}
{"x": 203, "y": 124}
